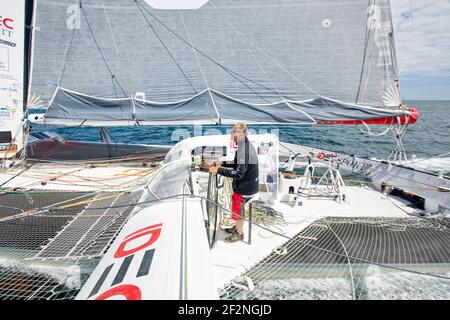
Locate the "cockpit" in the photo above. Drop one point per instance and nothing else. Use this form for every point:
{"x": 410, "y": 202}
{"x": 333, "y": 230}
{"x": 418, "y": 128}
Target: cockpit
{"x": 201, "y": 152}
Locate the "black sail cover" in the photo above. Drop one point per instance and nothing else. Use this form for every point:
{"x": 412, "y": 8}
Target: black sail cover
{"x": 216, "y": 61}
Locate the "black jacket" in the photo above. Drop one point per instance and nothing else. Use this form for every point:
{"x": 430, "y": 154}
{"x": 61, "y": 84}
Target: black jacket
{"x": 244, "y": 169}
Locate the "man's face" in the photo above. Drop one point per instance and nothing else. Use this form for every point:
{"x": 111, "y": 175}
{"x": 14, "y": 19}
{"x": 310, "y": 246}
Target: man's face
{"x": 238, "y": 134}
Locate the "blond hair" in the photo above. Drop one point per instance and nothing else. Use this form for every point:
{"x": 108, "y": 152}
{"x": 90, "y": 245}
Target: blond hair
{"x": 242, "y": 126}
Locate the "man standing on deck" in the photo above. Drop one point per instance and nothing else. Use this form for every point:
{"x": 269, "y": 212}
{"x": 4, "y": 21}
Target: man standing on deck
{"x": 244, "y": 172}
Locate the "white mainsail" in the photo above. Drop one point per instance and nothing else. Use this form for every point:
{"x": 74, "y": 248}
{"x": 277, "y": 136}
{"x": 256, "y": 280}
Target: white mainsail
{"x": 308, "y": 61}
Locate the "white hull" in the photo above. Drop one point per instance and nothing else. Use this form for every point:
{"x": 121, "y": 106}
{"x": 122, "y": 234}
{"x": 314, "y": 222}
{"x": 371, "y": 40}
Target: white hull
{"x": 162, "y": 250}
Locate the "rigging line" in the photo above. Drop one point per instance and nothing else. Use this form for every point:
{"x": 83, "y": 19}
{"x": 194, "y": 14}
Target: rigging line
{"x": 288, "y": 149}
{"x": 16, "y": 175}
{"x": 265, "y": 73}
{"x": 366, "y": 44}
{"x": 368, "y": 75}
{"x": 49, "y": 208}
{"x": 384, "y": 50}
{"x": 348, "y": 260}
{"x": 200, "y": 67}
{"x": 67, "y": 54}
{"x": 58, "y": 147}
{"x": 67, "y": 51}
{"x": 257, "y": 94}
{"x": 369, "y": 49}
{"x": 234, "y": 74}
{"x": 248, "y": 87}
{"x": 165, "y": 47}
{"x": 275, "y": 61}
{"x": 100, "y": 50}
{"x": 114, "y": 87}
{"x": 296, "y": 142}
{"x": 110, "y": 28}
{"x": 198, "y": 62}
{"x": 369, "y": 130}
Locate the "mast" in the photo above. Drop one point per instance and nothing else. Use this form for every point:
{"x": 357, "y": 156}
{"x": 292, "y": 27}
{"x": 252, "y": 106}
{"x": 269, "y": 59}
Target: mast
{"x": 30, "y": 14}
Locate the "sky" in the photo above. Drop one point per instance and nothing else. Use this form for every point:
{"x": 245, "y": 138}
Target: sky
{"x": 422, "y": 36}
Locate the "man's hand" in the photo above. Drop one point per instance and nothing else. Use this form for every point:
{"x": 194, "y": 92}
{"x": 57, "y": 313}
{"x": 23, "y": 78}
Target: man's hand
{"x": 213, "y": 170}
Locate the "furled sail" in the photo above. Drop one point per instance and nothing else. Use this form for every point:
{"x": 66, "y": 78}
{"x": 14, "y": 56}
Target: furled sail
{"x": 262, "y": 61}
{"x": 207, "y": 107}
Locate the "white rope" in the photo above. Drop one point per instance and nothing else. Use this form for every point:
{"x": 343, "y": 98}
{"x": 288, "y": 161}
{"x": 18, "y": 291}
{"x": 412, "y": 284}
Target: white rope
{"x": 400, "y": 153}
{"x": 348, "y": 260}
{"x": 226, "y": 192}
{"x": 370, "y": 133}
{"x": 267, "y": 76}
{"x": 66, "y": 55}
{"x": 369, "y": 49}
{"x": 110, "y": 29}
{"x": 276, "y": 62}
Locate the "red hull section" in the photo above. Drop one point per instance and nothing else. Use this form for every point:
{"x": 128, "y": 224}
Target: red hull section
{"x": 413, "y": 117}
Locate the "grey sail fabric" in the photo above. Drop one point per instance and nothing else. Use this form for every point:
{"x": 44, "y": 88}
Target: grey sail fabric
{"x": 208, "y": 107}
{"x": 195, "y": 109}
{"x": 256, "y": 51}
{"x": 78, "y": 107}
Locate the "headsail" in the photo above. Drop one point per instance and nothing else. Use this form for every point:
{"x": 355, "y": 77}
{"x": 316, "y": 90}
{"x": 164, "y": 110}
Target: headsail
{"x": 251, "y": 52}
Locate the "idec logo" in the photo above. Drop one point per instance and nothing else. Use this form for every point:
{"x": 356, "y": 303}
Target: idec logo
{"x": 124, "y": 255}
{"x": 6, "y": 26}
{"x": 325, "y": 156}
{"x": 176, "y": 4}
{"x": 152, "y": 232}
{"x": 128, "y": 291}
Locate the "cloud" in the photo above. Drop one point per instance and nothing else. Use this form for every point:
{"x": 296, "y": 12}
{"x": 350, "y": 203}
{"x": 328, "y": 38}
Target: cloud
{"x": 422, "y": 34}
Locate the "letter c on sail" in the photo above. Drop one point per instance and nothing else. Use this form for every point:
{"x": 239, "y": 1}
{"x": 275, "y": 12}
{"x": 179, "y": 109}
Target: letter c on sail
{"x": 6, "y": 22}
{"x": 153, "y": 232}
{"x": 128, "y": 291}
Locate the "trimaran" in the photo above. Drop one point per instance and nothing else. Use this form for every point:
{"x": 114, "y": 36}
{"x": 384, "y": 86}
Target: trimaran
{"x": 103, "y": 220}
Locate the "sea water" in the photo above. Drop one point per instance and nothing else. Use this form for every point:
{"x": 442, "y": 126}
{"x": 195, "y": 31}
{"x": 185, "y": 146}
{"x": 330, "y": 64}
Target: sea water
{"x": 387, "y": 286}
{"x": 428, "y": 138}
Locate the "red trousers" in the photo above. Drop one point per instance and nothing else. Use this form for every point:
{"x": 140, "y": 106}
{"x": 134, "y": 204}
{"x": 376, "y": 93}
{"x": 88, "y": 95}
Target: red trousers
{"x": 236, "y": 202}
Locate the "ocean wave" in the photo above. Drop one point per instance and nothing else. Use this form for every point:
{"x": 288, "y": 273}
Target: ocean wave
{"x": 441, "y": 165}
{"x": 378, "y": 286}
